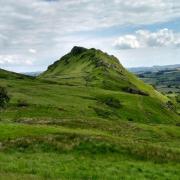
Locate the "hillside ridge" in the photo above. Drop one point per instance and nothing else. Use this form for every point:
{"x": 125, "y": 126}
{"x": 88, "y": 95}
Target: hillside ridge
{"x": 94, "y": 68}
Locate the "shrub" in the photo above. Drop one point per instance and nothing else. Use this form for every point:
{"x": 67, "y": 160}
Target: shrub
{"x": 130, "y": 119}
{"x": 134, "y": 90}
{"x": 110, "y": 101}
{"x": 169, "y": 86}
{"x": 170, "y": 92}
{"x": 170, "y": 105}
{"x": 102, "y": 112}
{"x": 4, "y": 97}
{"x": 178, "y": 98}
{"x": 22, "y": 103}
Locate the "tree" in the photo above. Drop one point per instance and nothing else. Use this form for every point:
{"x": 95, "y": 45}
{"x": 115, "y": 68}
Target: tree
{"x": 4, "y": 97}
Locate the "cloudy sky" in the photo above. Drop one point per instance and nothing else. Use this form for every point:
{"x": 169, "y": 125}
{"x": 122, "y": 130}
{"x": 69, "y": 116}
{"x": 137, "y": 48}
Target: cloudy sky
{"x": 35, "y": 33}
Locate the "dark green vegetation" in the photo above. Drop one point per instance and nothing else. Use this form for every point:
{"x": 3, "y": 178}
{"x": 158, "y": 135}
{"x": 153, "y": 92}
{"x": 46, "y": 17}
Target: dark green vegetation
{"x": 4, "y": 98}
{"x": 167, "y": 81}
{"x": 87, "y": 117}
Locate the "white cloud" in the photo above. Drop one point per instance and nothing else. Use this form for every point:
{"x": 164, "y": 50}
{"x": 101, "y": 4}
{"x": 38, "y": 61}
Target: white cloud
{"x": 44, "y": 24}
{"x": 127, "y": 42}
{"x": 14, "y": 60}
{"x": 33, "y": 51}
{"x": 145, "y": 38}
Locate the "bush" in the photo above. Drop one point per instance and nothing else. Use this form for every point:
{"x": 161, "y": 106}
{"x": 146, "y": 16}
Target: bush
{"x": 169, "y": 86}
{"x": 178, "y": 98}
{"x": 102, "y": 112}
{"x": 110, "y": 101}
{"x": 170, "y": 105}
{"x": 22, "y": 103}
{"x": 134, "y": 90}
{"x": 113, "y": 102}
{"x": 4, "y": 97}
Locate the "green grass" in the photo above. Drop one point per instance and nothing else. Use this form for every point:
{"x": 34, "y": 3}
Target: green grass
{"x": 79, "y": 166}
{"x": 81, "y": 153}
{"x": 80, "y": 122}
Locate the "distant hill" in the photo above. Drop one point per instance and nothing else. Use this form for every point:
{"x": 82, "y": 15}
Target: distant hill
{"x": 165, "y": 79}
{"x": 36, "y": 73}
{"x": 4, "y": 74}
{"x": 153, "y": 68}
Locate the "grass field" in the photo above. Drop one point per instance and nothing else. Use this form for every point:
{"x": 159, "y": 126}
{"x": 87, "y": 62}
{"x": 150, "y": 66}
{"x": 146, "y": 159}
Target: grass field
{"x": 67, "y": 124}
{"x": 41, "y": 151}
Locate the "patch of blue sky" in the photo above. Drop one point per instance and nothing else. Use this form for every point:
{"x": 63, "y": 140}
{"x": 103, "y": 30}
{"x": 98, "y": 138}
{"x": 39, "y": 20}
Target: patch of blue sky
{"x": 130, "y": 29}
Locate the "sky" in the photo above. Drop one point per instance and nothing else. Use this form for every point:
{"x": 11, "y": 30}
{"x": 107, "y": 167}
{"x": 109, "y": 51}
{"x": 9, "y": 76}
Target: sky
{"x": 35, "y": 33}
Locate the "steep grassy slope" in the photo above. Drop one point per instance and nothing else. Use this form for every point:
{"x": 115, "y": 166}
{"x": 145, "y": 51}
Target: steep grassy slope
{"x": 86, "y": 117}
{"x": 91, "y": 67}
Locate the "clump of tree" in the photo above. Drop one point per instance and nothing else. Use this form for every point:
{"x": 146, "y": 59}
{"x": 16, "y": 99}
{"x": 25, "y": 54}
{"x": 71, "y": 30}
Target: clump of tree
{"x": 4, "y": 97}
{"x": 169, "y": 86}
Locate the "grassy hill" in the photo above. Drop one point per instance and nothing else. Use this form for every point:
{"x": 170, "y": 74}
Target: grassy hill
{"x": 87, "y": 117}
{"x": 91, "y": 67}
